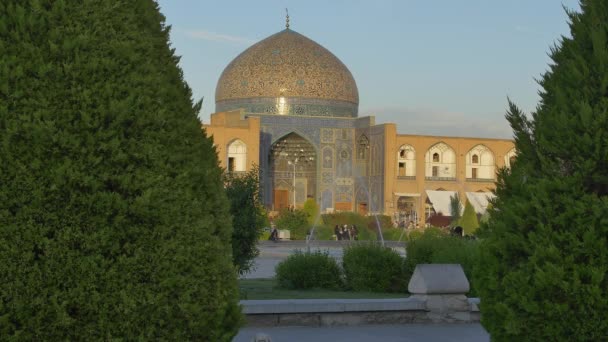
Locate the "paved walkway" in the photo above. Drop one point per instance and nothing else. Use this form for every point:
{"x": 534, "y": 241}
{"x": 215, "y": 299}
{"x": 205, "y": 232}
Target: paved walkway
{"x": 367, "y": 333}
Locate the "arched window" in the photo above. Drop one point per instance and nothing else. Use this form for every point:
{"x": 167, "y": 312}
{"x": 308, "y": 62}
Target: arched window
{"x": 406, "y": 161}
{"x": 480, "y": 163}
{"x": 237, "y": 156}
{"x": 362, "y": 147}
{"x": 510, "y": 157}
{"x": 440, "y": 162}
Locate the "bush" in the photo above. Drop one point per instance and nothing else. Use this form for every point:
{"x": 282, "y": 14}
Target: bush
{"x": 248, "y": 217}
{"x": 393, "y": 234}
{"x": 114, "y": 224}
{"x": 371, "y": 267}
{"x": 311, "y": 208}
{"x": 323, "y": 232}
{"x": 434, "y": 246}
{"x": 468, "y": 221}
{"x": 385, "y": 222}
{"x": 296, "y": 221}
{"x": 307, "y": 270}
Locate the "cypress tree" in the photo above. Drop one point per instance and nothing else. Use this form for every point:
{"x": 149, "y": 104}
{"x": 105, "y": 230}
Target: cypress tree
{"x": 469, "y": 221}
{"x": 544, "y": 265}
{"x": 113, "y": 219}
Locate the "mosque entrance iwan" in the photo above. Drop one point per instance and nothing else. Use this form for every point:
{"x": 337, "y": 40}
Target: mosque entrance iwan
{"x": 293, "y": 169}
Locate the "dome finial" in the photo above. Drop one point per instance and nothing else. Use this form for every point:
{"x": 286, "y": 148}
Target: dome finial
{"x": 287, "y": 19}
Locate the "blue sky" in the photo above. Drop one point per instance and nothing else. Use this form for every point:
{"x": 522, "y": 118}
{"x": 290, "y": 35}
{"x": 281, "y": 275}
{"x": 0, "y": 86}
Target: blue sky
{"x": 438, "y": 67}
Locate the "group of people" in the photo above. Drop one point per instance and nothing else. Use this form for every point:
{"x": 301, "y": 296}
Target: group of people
{"x": 344, "y": 232}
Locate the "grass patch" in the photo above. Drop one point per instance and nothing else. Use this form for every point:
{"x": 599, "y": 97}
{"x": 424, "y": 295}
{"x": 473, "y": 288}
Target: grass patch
{"x": 262, "y": 289}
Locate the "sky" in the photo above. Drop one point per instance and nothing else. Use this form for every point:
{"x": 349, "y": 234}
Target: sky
{"x": 433, "y": 67}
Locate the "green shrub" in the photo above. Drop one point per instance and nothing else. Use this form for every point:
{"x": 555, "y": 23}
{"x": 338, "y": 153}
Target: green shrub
{"x": 114, "y": 223}
{"x": 371, "y": 267}
{"x": 296, "y": 221}
{"x": 307, "y": 270}
{"x": 248, "y": 217}
{"x": 468, "y": 221}
{"x": 323, "y": 232}
{"x": 393, "y": 234}
{"x": 311, "y": 208}
{"x": 434, "y": 246}
{"x": 385, "y": 221}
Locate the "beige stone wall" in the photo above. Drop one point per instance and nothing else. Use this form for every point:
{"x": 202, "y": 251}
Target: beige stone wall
{"x": 422, "y": 143}
{"x": 225, "y": 127}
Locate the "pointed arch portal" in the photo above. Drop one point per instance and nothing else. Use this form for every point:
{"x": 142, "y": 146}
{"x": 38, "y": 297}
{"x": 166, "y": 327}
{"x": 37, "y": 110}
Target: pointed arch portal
{"x": 293, "y": 168}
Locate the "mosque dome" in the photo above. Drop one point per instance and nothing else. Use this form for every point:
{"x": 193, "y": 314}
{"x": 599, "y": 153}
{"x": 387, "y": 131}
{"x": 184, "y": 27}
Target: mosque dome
{"x": 288, "y": 74}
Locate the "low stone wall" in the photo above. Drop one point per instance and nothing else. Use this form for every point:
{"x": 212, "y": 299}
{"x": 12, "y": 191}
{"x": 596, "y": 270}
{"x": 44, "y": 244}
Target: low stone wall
{"x": 438, "y": 296}
{"x": 331, "y": 312}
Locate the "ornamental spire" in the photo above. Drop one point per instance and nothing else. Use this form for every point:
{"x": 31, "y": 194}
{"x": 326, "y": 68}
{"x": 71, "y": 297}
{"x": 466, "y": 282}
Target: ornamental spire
{"x": 287, "y": 19}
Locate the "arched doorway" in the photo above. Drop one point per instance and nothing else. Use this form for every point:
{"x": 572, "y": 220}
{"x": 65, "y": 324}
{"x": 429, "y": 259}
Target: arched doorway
{"x": 293, "y": 168}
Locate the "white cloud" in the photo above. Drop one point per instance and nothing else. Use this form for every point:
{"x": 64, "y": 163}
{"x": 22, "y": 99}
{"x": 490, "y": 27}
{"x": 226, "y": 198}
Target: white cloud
{"x": 217, "y": 37}
{"x": 428, "y": 121}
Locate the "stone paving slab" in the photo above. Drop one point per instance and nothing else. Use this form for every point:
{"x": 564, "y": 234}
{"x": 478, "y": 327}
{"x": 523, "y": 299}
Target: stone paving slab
{"x": 386, "y": 333}
{"x": 329, "y": 305}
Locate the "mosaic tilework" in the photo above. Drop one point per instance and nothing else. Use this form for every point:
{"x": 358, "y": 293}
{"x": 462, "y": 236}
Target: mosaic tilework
{"x": 337, "y": 179}
{"x": 327, "y": 135}
{"x": 287, "y": 64}
{"x": 328, "y": 158}
{"x": 293, "y": 106}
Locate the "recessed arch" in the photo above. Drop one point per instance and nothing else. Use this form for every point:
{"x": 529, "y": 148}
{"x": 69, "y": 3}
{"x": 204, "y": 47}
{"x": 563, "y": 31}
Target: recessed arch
{"x": 237, "y": 156}
{"x": 362, "y": 147}
{"x": 440, "y": 162}
{"x": 293, "y": 160}
{"x": 406, "y": 161}
{"x": 480, "y": 163}
{"x": 510, "y": 157}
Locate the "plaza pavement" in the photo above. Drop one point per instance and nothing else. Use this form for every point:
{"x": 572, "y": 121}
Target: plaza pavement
{"x": 272, "y": 253}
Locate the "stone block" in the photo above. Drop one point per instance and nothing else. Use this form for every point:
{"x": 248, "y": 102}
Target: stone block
{"x": 444, "y": 303}
{"x": 438, "y": 279}
{"x": 300, "y": 319}
{"x": 262, "y": 320}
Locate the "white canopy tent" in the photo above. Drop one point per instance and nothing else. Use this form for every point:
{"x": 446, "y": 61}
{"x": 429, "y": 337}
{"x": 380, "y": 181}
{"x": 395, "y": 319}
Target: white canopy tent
{"x": 480, "y": 200}
{"x": 441, "y": 200}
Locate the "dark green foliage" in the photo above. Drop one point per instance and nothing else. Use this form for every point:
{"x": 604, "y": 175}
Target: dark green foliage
{"x": 384, "y": 221}
{"x": 307, "y": 270}
{"x": 435, "y": 246}
{"x": 544, "y": 262}
{"x": 468, "y": 221}
{"x": 455, "y": 208}
{"x": 113, "y": 220}
{"x": 296, "y": 221}
{"x": 372, "y": 267}
{"x": 311, "y": 208}
{"x": 248, "y": 217}
{"x": 323, "y": 232}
